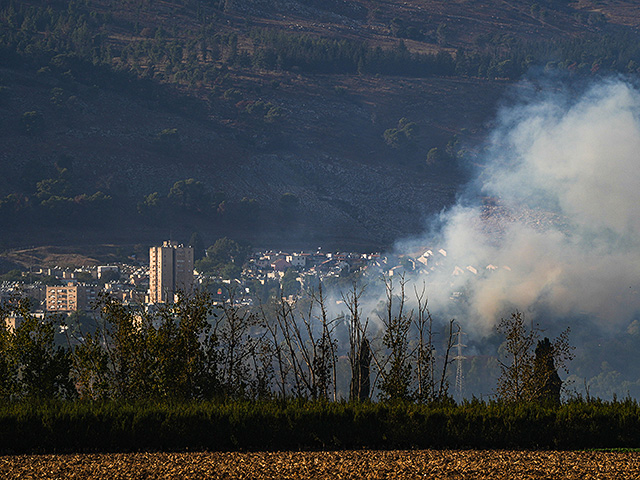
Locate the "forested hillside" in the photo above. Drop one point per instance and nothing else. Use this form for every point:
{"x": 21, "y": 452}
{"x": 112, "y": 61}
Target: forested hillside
{"x": 279, "y": 122}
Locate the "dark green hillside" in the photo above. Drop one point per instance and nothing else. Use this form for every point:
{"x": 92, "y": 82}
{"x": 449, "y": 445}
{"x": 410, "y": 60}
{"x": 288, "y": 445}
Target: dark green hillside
{"x": 127, "y": 121}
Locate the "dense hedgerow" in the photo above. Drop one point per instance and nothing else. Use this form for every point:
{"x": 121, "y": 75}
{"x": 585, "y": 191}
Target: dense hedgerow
{"x": 291, "y": 425}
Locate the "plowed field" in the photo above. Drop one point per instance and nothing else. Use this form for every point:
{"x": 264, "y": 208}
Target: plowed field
{"x": 363, "y": 464}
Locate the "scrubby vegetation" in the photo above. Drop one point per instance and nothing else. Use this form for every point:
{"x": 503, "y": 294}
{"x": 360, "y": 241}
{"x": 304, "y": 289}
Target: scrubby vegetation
{"x": 193, "y": 375}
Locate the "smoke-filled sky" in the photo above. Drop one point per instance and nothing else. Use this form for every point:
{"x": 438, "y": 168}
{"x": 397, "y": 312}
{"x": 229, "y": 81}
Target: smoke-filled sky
{"x": 554, "y": 210}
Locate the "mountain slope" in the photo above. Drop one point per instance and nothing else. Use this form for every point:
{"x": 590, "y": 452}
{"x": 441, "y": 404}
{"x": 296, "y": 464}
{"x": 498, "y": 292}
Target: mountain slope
{"x": 107, "y": 108}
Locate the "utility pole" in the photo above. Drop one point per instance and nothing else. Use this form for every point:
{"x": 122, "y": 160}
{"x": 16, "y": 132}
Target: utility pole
{"x": 459, "y": 358}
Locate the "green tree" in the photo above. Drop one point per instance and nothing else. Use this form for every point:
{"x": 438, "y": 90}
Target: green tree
{"x": 179, "y": 356}
{"x": 231, "y": 271}
{"x": 401, "y": 136}
{"x": 53, "y": 187}
{"x": 396, "y": 370}
{"x": 137, "y": 354}
{"x": 8, "y": 372}
{"x": 442, "y": 33}
{"x": 392, "y": 137}
{"x": 32, "y": 367}
{"x": 206, "y": 265}
{"x": 189, "y": 194}
{"x": 57, "y": 96}
{"x": 289, "y": 283}
{"x": 43, "y": 368}
{"x": 274, "y": 114}
{"x": 548, "y": 384}
{"x": 528, "y": 374}
{"x": 433, "y": 157}
{"x": 226, "y": 250}
{"x": 225, "y": 254}
{"x": 80, "y": 323}
{"x": 452, "y": 147}
{"x": 360, "y": 386}
{"x": 150, "y": 205}
{"x": 14, "y": 275}
{"x": 126, "y": 366}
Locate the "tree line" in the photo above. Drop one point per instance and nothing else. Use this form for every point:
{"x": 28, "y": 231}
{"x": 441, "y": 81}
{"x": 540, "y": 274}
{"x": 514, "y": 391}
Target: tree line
{"x": 52, "y": 194}
{"x": 38, "y": 34}
{"x": 201, "y": 349}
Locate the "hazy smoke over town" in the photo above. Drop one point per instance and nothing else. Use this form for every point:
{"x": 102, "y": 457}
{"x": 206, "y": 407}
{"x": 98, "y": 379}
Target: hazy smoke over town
{"x": 551, "y": 223}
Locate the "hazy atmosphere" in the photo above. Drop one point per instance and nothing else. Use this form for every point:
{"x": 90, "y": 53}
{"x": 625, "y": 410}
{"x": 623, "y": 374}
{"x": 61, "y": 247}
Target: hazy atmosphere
{"x": 549, "y": 224}
{"x": 320, "y": 239}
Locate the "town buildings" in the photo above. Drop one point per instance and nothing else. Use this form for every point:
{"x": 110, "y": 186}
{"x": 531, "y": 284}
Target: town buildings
{"x": 66, "y": 298}
{"x": 170, "y": 271}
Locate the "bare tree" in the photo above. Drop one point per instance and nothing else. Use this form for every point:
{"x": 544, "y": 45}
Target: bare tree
{"x": 324, "y": 349}
{"x": 443, "y": 389}
{"x": 359, "y": 348}
{"x": 308, "y": 346}
{"x": 279, "y": 349}
{"x": 287, "y": 331}
{"x": 425, "y": 351}
{"x": 237, "y": 346}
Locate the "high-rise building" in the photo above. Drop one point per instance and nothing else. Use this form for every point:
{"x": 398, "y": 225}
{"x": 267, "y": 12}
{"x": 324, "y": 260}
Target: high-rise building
{"x": 170, "y": 271}
{"x": 67, "y": 298}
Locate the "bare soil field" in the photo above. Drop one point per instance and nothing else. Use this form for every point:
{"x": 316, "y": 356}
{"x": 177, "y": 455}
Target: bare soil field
{"x": 362, "y": 464}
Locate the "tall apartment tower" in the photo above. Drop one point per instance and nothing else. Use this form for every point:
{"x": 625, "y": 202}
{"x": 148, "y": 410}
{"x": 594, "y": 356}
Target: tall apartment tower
{"x": 170, "y": 271}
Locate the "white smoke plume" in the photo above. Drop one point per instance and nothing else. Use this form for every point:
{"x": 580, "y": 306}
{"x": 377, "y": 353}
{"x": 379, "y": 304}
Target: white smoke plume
{"x": 553, "y": 221}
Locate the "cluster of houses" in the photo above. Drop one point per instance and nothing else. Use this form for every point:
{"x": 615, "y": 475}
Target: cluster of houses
{"x": 276, "y": 263}
{"x": 66, "y": 290}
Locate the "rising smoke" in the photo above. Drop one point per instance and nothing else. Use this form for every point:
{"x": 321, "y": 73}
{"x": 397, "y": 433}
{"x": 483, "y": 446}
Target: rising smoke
{"x": 552, "y": 221}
